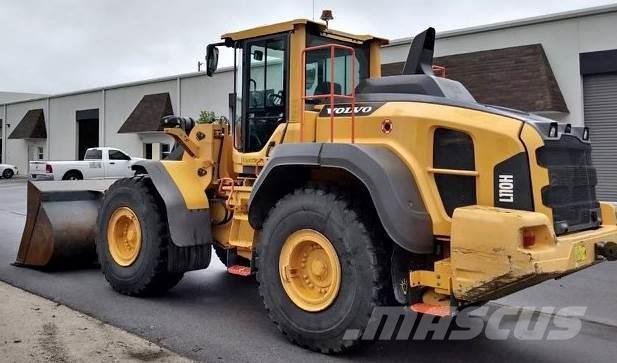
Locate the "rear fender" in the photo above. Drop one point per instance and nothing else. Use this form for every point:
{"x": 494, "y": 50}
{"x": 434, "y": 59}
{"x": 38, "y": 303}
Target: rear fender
{"x": 389, "y": 181}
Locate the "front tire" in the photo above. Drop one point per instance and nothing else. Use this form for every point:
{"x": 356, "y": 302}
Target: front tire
{"x": 133, "y": 239}
{"x": 316, "y": 225}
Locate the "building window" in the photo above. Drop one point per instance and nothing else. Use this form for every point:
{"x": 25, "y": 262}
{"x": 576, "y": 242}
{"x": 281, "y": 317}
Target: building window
{"x": 165, "y": 150}
{"x": 40, "y": 153}
{"x": 454, "y": 168}
{"x": 148, "y": 151}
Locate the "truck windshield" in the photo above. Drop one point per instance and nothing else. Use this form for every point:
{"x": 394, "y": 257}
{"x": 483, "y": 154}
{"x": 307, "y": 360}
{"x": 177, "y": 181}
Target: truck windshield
{"x": 93, "y": 154}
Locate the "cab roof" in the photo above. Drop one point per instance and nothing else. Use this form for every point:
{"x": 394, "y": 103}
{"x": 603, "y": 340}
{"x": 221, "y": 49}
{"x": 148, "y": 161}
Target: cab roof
{"x": 290, "y": 25}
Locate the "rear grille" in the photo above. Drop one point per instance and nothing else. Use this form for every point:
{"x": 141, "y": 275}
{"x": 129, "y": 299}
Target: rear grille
{"x": 571, "y": 193}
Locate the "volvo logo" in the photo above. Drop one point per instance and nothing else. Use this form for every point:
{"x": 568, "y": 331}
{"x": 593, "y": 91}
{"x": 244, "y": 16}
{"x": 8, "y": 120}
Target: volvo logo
{"x": 358, "y": 110}
{"x": 347, "y": 110}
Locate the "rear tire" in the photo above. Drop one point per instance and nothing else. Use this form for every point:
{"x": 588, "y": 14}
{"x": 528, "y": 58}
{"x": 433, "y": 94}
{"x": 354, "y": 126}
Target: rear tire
{"x": 7, "y": 174}
{"x": 148, "y": 274}
{"x": 364, "y": 265}
{"x": 72, "y": 175}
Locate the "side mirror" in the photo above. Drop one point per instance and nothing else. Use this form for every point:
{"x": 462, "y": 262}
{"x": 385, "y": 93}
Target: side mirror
{"x": 212, "y": 59}
{"x": 258, "y": 55}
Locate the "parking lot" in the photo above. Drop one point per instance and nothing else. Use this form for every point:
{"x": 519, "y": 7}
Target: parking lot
{"x": 211, "y": 315}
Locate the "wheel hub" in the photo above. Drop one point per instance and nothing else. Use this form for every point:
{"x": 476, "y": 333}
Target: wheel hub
{"x": 310, "y": 270}
{"x": 124, "y": 236}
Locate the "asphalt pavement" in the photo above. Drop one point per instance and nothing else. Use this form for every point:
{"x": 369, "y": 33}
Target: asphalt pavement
{"x": 214, "y": 316}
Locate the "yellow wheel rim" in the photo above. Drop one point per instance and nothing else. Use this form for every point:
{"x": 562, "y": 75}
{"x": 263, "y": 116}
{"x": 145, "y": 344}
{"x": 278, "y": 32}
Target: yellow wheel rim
{"x": 310, "y": 270}
{"x": 124, "y": 236}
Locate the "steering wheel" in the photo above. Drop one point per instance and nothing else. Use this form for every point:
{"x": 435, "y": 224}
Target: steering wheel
{"x": 276, "y": 99}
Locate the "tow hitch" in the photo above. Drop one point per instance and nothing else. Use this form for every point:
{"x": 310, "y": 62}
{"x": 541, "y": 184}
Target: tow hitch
{"x": 607, "y": 250}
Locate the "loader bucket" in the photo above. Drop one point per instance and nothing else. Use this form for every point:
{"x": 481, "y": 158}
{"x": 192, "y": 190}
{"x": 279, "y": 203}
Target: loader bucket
{"x": 61, "y": 223}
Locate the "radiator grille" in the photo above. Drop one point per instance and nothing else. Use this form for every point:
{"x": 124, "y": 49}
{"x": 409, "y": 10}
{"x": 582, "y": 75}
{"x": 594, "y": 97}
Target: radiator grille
{"x": 571, "y": 193}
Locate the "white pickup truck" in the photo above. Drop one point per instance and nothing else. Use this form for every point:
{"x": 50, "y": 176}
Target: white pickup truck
{"x": 98, "y": 163}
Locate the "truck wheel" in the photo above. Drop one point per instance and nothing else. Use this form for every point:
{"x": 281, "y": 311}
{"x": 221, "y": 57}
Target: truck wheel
{"x": 7, "y": 174}
{"x": 321, "y": 269}
{"x": 133, "y": 239}
{"x": 72, "y": 175}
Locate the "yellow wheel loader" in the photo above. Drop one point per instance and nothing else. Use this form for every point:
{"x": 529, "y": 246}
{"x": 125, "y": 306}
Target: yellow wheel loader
{"x": 341, "y": 190}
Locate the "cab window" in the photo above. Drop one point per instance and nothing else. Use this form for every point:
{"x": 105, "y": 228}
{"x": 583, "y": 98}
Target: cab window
{"x": 318, "y": 70}
{"x": 93, "y": 154}
{"x": 118, "y": 155}
{"x": 264, "y": 90}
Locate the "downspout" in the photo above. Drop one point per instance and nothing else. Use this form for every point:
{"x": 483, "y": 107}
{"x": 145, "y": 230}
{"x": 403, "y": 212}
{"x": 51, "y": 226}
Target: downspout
{"x": 179, "y": 95}
{"x": 4, "y": 135}
{"x": 48, "y": 128}
{"x": 102, "y": 118}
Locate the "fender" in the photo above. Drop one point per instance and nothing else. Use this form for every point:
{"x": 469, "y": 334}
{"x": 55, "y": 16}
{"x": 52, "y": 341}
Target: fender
{"x": 187, "y": 227}
{"x": 392, "y": 187}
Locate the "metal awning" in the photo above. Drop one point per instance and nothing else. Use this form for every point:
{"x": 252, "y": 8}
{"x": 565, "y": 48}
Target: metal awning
{"x": 518, "y": 77}
{"x": 31, "y": 126}
{"x": 147, "y": 114}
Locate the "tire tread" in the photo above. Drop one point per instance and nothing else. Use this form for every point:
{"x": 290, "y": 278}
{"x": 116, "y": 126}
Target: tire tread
{"x": 352, "y": 210}
{"x": 159, "y": 280}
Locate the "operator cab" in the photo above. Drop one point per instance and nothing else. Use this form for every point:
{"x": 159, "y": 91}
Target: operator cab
{"x": 268, "y": 73}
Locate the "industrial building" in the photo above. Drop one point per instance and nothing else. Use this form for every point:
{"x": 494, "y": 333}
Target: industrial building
{"x": 562, "y": 66}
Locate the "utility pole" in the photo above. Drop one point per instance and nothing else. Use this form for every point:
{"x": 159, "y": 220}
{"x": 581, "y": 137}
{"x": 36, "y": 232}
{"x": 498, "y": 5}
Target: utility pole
{"x": 313, "y": 10}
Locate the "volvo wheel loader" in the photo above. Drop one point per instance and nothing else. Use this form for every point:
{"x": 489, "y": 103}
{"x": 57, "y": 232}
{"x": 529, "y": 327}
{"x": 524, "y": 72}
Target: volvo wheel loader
{"x": 341, "y": 190}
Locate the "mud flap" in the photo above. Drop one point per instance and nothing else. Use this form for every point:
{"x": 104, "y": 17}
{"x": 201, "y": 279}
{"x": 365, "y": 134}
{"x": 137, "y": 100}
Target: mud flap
{"x": 401, "y": 263}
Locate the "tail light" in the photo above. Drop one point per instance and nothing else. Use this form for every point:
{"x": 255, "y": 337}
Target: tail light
{"x": 529, "y": 238}
{"x": 48, "y": 169}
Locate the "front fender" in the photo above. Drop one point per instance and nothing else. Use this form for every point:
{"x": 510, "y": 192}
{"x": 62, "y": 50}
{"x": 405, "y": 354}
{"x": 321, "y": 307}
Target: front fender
{"x": 187, "y": 227}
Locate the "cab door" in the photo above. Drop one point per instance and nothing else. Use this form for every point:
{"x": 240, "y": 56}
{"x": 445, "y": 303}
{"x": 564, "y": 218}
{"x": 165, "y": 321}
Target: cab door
{"x": 264, "y": 86}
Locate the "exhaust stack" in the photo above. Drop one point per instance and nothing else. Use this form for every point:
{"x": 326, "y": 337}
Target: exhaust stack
{"x": 420, "y": 57}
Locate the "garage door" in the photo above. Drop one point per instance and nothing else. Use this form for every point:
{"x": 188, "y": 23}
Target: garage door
{"x": 600, "y": 93}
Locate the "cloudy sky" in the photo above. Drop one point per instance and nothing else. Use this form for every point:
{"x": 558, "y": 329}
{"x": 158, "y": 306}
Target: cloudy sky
{"x": 66, "y": 45}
